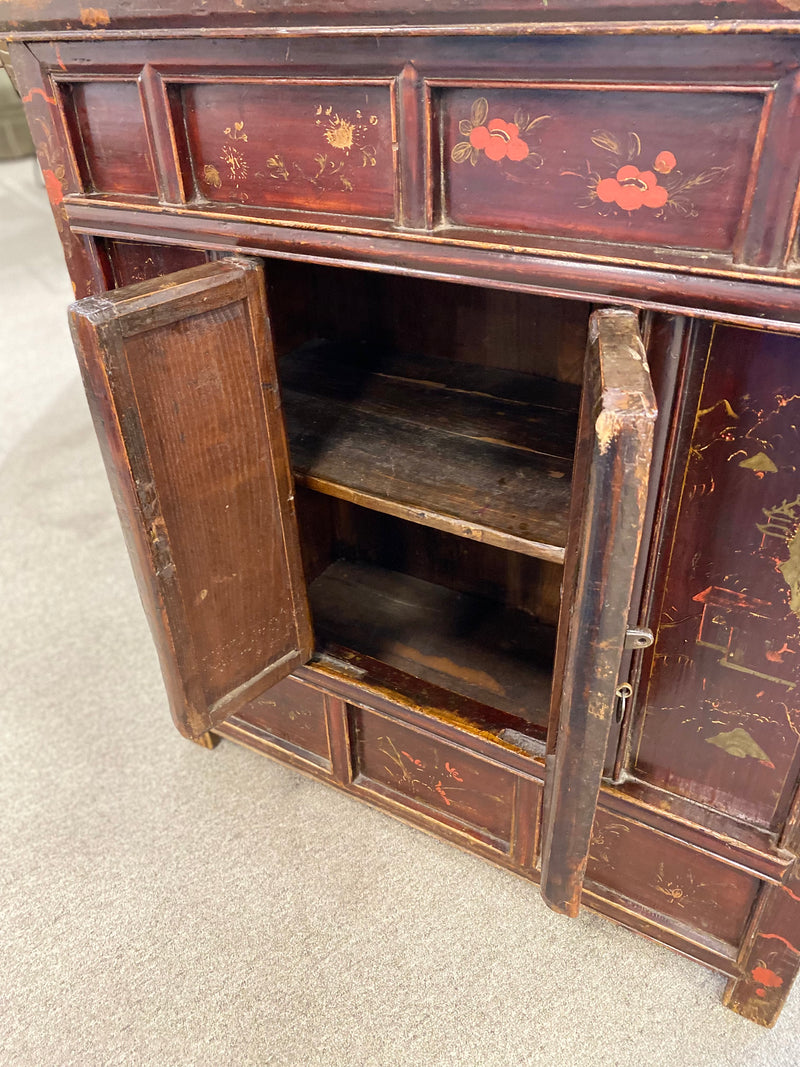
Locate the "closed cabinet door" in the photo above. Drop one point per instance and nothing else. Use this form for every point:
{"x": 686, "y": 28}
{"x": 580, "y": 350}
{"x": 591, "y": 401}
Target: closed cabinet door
{"x": 716, "y": 708}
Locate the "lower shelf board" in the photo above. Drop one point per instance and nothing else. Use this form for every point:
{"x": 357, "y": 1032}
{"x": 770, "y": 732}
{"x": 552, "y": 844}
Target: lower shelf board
{"x": 465, "y": 644}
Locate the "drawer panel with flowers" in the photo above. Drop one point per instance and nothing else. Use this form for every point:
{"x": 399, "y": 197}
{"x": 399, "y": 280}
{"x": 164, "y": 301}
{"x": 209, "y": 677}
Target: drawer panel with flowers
{"x": 653, "y": 166}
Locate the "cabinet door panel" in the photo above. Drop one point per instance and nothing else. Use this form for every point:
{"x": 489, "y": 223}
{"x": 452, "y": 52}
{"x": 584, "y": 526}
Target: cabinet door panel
{"x": 181, "y": 378}
{"x": 611, "y": 473}
{"x": 718, "y": 706}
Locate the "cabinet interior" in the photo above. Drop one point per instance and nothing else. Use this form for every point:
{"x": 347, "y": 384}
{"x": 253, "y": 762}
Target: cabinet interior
{"x": 431, "y": 430}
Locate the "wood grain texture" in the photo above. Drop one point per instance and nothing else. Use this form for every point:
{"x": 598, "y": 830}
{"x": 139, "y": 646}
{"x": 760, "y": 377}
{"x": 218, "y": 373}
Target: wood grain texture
{"x": 643, "y": 105}
{"x": 128, "y": 262}
{"x": 44, "y": 112}
{"x": 656, "y": 871}
{"x": 715, "y": 290}
{"x": 333, "y": 529}
{"x": 612, "y": 468}
{"x": 181, "y": 372}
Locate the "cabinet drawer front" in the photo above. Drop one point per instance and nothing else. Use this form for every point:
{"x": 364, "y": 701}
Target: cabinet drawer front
{"x": 441, "y": 780}
{"x": 653, "y": 166}
{"x": 293, "y": 712}
{"x": 304, "y": 145}
{"x": 669, "y": 877}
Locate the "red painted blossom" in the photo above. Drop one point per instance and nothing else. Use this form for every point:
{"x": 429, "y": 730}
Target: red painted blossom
{"x": 499, "y": 140}
{"x": 55, "y": 193}
{"x": 631, "y": 189}
{"x": 764, "y": 976}
{"x": 665, "y": 162}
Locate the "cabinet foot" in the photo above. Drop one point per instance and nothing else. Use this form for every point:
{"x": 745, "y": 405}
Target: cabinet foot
{"x": 770, "y": 955}
{"x": 207, "y": 740}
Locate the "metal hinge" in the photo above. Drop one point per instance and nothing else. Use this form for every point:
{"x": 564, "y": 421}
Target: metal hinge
{"x": 638, "y": 637}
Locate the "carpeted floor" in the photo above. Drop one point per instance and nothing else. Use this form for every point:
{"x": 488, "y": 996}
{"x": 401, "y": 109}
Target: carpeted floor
{"x": 166, "y": 905}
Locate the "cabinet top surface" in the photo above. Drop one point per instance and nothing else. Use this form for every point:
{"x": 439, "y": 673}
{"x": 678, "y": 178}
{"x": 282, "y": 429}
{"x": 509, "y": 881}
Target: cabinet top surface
{"x": 701, "y": 16}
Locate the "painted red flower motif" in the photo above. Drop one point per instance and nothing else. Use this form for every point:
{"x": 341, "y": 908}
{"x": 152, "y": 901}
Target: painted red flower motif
{"x": 631, "y": 189}
{"x": 55, "y": 193}
{"x": 764, "y": 976}
{"x": 499, "y": 140}
{"x": 665, "y": 162}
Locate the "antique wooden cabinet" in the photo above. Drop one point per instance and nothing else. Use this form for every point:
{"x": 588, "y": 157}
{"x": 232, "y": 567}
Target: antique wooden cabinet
{"x": 446, "y": 373}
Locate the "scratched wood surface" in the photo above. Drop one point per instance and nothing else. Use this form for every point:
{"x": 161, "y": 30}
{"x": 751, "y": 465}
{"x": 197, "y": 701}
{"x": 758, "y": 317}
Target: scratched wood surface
{"x": 599, "y": 182}
{"x": 409, "y": 316}
{"x": 332, "y": 529}
{"x": 770, "y": 956}
{"x": 461, "y": 787}
{"x": 127, "y": 262}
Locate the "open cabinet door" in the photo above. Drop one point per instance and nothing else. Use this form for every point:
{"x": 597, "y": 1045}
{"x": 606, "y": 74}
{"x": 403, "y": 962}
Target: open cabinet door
{"x": 611, "y": 474}
{"x": 181, "y": 379}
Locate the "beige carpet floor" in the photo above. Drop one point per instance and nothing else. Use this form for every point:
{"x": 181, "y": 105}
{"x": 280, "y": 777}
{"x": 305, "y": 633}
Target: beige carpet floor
{"x": 166, "y": 905}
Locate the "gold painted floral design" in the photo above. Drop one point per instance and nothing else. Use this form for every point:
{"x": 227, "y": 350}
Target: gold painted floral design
{"x": 232, "y": 153}
{"x": 348, "y": 133}
{"x": 348, "y": 149}
{"x": 621, "y": 180}
{"x": 497, "y": 138}
{"x": 677, "y": 891}
{"x": 211, "y": 176}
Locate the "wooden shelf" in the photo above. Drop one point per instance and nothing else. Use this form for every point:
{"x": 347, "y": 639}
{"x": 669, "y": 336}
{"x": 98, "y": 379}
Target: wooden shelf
{"x": 483, "y": 453}
{"x": 464, "y": 644}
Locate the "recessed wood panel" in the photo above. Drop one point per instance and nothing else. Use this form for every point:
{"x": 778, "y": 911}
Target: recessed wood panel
{"x": 665, "y": 875}
{"x": 461, "y": 789}
{"x": 109, "y": 137}
{"x": 311, "y": 147}
{"x": 654, "y": 167}
{"x": 721, "y": 710}
{"x": 135, "y": 261}
{"x": 293, "y": 712}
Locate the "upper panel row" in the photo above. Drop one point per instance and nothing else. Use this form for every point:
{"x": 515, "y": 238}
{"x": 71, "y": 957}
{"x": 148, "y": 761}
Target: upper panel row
{"x": 655, "y": 165}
